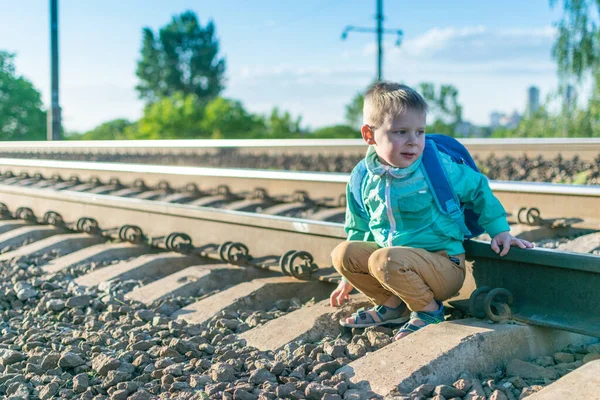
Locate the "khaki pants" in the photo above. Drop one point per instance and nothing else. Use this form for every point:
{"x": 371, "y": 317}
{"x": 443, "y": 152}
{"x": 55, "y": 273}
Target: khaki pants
{"x": 417, "y": 276}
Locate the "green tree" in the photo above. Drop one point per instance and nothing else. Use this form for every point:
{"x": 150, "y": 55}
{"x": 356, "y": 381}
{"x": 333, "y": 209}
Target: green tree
{"x": 116, "y": 129}
{"x": 183, "y": 57}
{"x": 540, "y": 124}
{"x": 443, "y": 103}
{"x": 176, "y": 117}
{"x": 445, "y": 110}
{"x": 577, "y": 52}
{"x": 21, "y": 114}
{"x": 502, "y": 133}
{"x": 225, "y": 118}
{"x": 336, "y": 132}
{"x": 577, "y": 47}
{"x": 354, "y": 110}
{"x": 579, "y": 123}
{"x": 282, "y": 125}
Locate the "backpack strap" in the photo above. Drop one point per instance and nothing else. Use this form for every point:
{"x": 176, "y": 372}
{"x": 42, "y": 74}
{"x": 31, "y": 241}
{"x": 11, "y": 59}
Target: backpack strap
{"x": 444, "y": 194}
{"x": 357, "y": 178}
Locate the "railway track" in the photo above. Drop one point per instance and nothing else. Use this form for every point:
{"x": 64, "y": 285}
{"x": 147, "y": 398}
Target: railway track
{"x": 174, "y": 150}
{"x": 319, "y": 196}
{"x": 151, "y": 298}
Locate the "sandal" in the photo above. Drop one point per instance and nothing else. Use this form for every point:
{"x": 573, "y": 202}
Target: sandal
{"x": 363, "y": 319}
{"x": 427, "y": 317}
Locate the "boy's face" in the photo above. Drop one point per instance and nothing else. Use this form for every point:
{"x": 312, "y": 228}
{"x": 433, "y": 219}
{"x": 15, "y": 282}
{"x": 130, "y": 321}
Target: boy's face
{"x": 400, "y": 139}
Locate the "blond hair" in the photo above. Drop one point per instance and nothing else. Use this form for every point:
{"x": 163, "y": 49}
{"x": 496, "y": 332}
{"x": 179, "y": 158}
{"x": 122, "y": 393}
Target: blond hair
{"x": 389, "y": 98}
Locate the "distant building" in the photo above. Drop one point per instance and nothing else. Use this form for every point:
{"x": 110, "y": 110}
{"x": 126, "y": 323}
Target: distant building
{"x": 467, "y": 129}
{"x": 463, "y": 128}
{"x": 502, "y": 120}
{"x": 533, "y": 100}
{"x": 495, "y": 118}
{"x": 514, "y": 120}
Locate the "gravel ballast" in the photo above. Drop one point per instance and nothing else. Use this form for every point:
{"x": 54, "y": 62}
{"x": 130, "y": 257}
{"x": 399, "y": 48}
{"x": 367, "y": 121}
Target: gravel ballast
{"x": 59, "y": 340}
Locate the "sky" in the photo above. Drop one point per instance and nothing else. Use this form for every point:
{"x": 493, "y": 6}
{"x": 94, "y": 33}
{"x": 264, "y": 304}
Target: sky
{"x": 290, "y": 54}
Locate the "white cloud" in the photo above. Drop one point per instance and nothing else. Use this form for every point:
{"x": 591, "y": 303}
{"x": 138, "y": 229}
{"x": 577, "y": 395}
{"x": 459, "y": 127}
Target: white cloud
{"x": 438, "y": 38}
{"x": 477, "y": 43}
{"x": 547, "y": 32}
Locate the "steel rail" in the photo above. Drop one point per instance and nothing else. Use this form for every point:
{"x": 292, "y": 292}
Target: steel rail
{"x": 265, "y": 235}
{"x": 585, "y": 148}
{"x": 541, "y": 287}
{"x": 276, "y": 183}
{"x": 530, "y": 202}
{"x": 531, "y": 280}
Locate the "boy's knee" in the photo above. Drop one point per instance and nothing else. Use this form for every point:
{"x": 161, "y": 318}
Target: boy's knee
{"x": 341, "y": 255}
{"x": 381, "y": 262}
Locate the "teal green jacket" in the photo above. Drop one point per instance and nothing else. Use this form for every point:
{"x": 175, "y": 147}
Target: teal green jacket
{"x": 403, "y": 212}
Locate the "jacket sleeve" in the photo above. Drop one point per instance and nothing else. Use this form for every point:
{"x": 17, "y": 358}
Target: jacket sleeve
{"x": 356, "y": 226}
{"x": 473, "y": 188}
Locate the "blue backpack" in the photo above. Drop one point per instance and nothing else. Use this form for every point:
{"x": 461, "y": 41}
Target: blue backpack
{"x": 443, "y": 193}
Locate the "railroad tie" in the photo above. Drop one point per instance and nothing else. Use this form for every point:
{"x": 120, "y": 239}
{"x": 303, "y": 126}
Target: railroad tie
{"x": 256, "y": 294}
{"x": 97, "y": 253}
{"x": 145, "y": 267}
{"x": 307, "y": 324}
{"x": 33, "y": 233}
{"x": 62, "y": 244}
{"x": 196, "y": 279}
{"x": 440, "y": 353}
{"x": 9, "y": 225}
{"x": 583, "y": 383}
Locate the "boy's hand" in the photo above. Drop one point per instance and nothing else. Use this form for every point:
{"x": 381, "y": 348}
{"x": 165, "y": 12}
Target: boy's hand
{"x": 340, "y": 295}
{"x": 505, "y": 239}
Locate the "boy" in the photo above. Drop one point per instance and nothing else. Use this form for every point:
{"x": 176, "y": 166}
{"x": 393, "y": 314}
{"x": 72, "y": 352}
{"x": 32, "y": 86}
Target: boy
{"x": 404, "y": 254}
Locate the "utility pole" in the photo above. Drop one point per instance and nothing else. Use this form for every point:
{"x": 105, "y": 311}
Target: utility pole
{"x": 379, "y": 18}
{"x": 380, "y": 31}
{"x": 54, "y": 118}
